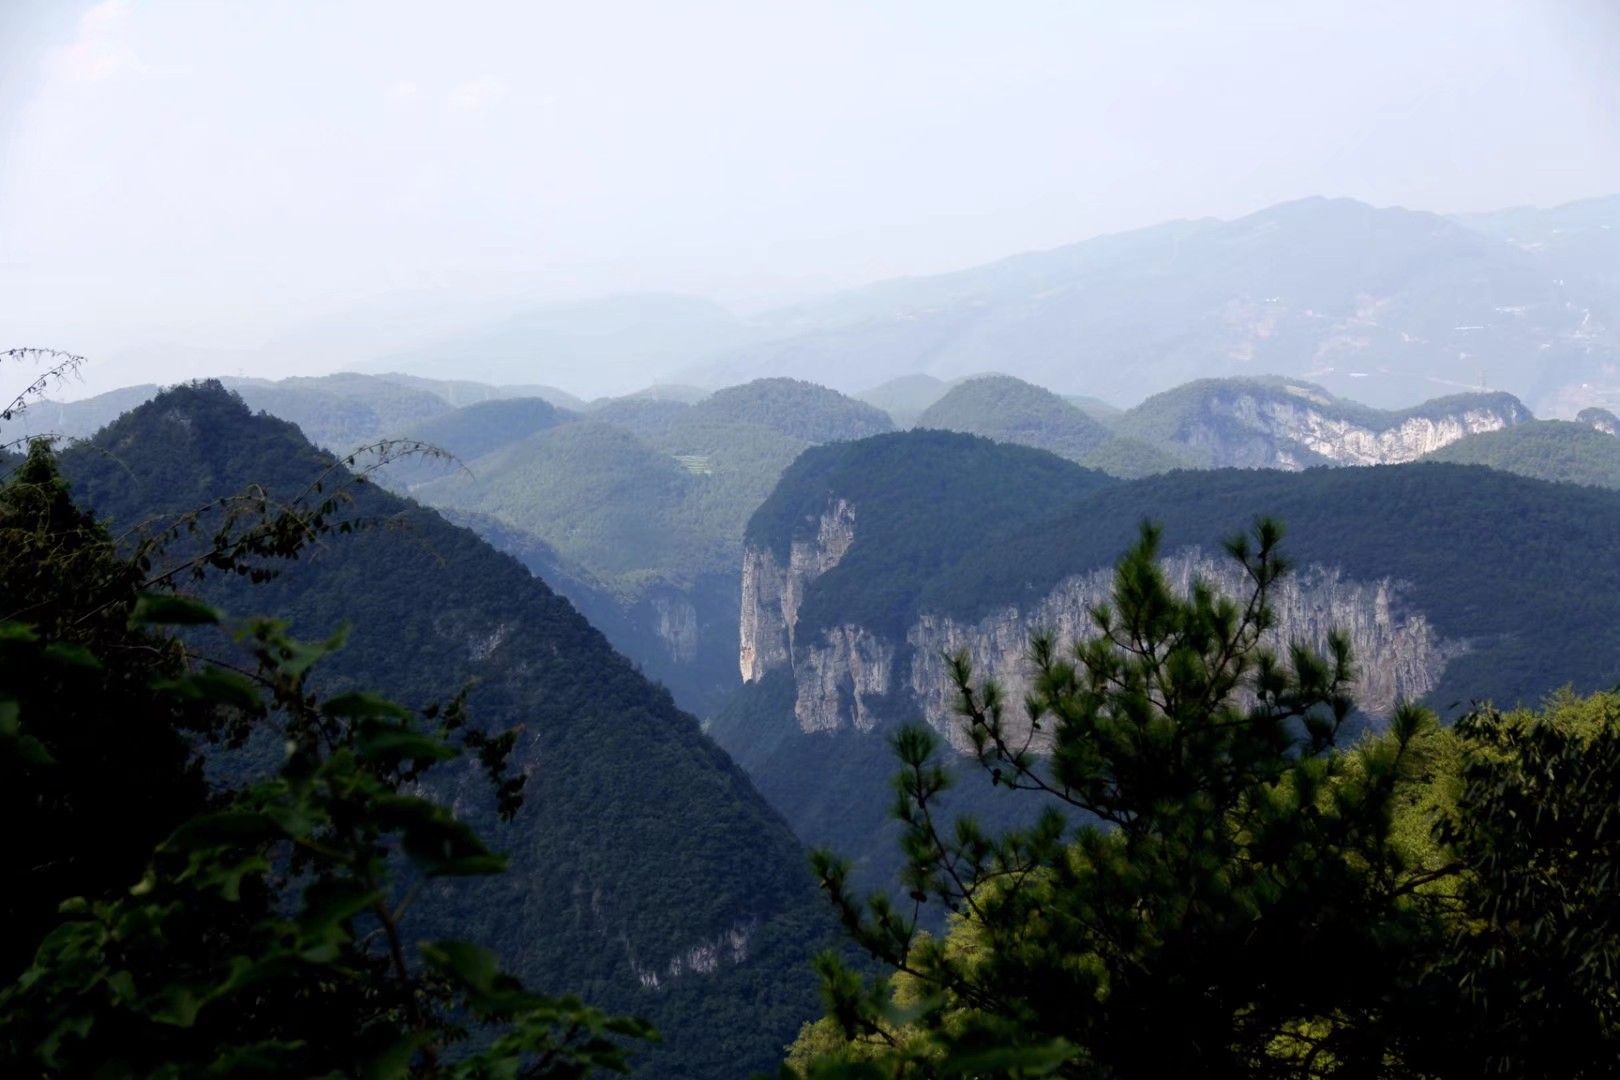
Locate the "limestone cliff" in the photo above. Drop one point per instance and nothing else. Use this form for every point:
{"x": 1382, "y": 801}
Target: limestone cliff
{"x": 1599, "y": 419}
{"x": 1293, "y": 427}
{"x": 772, "y": 593}
{"x": 852, "y": 677}
{"x": 1398, "y": 654}
{"x": 676, "y": 626}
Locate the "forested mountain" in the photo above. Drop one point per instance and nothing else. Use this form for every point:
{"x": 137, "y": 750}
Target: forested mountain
{"x": 1010, "y": 410}
{"x": 338, "y": 412}
{"x": 1279, "y": 423}
{"x": 470, "y": 433}
{"x": 905, "y": 398}
{"x": 868, "y": 524}
{"x": 1384, "y": 304}
{"x": 1574, "y": 453}
{"x": 1267, "y": 422}
{"x": 646, "y": 872}
{"x": 635, "y": 507}
{"x": 648, "y": 499}
{"x": 1454, "y": 583}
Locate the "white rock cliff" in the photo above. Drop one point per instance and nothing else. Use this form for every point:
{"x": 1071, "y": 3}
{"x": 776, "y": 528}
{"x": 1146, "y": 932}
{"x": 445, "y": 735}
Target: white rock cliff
{"x": 848, "y": 673}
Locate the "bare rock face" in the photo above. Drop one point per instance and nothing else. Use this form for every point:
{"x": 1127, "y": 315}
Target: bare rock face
{"x": 1599, "y": 420}
{"x": 677, "y": 626}
{"x": 1296, "y": 427}
{"x": 771, "y": 593}
{"x": 838, "y": 678}
{"x": 702, "y": 958}
{"x": 849, "y": 672}
{"x": 1398, "y": 654}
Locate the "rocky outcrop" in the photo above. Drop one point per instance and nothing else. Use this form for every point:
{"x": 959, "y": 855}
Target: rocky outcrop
{"x": 1599, "y": 419}
{"x": 1292, "y": 427}
{"x": 703, "y": 958}
{"x": 849, "y": 675}
{"x": 676, "y": 626}
{"x": 1398, "y": 654}
{"x": 772, "y": 593}
{"x": 839, "y": 678}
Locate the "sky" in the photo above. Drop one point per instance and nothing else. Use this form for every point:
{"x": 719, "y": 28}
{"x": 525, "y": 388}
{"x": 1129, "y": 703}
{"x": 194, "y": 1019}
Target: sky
{"x": 288, "y": 186}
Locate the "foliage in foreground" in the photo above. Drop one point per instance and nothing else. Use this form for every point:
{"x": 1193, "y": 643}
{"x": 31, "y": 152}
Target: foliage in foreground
{"x": 1241, "y": 897}
{"x": 262, "y": 932}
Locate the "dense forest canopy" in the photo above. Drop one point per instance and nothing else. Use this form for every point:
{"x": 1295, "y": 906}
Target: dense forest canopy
{"x": 432, "y": 610}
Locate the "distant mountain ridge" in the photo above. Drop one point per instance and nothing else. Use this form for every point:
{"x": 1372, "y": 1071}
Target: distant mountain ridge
{"x": 337, "y": 412}
{"x": 1384, "y": 304}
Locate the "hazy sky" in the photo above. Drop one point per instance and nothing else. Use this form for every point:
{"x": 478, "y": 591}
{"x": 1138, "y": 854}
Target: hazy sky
{"x": 212, "y": 174}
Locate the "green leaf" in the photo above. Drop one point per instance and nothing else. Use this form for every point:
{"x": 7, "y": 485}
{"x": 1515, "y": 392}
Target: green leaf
{"x": 169, "y": 609}
{"x": 475, "y": 970}
{"x": 218, "y": 685}
{"x": 1037, "y": 1060}
{"x": 16, "y": 631}
{"x": 397, "y": 744}
{"x": 363, "y": 705}
{"x": 30, "y": 749}
{"x": 225, "y": 827}
{"x": 73, "y": 654}
{"x": 327, "y": 907}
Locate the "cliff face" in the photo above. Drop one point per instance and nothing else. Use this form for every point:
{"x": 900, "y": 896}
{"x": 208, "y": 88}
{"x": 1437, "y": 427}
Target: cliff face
{"x": 676, "y": 626}
{"x": 1398, "y": 654}
{"x": 772, "y": 593}
{"x": 1290, "y": 429}
{"x": 850, "y": 677}
{"x": 1599, "y": 419}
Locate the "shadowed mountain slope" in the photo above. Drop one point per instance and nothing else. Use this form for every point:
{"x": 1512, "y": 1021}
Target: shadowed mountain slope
{"x": 646, "y": 873}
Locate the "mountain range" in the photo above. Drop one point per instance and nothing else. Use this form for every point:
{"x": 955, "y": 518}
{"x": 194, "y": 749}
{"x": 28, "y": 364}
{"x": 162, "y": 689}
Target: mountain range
{"x": 1382, "y": 305}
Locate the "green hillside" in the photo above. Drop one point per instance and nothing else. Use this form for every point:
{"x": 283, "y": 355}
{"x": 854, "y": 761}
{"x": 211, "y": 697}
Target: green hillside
{"x": 1547, "y": 450}
{"x": 639, "y": 489}
{"x": 1010, "y": 410}
{"x": 475, "y": 430}
{"x": 924, "y": 501}
{"x": 649, "y": 498}
{"x": 597, "y": 494}
{"x": 639, "y": 840}
{"x": 470, "y": 433}
{"x": 641, "y": 417}
{"x": 343, "y": 411}
{"x": 793, "y": 407}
